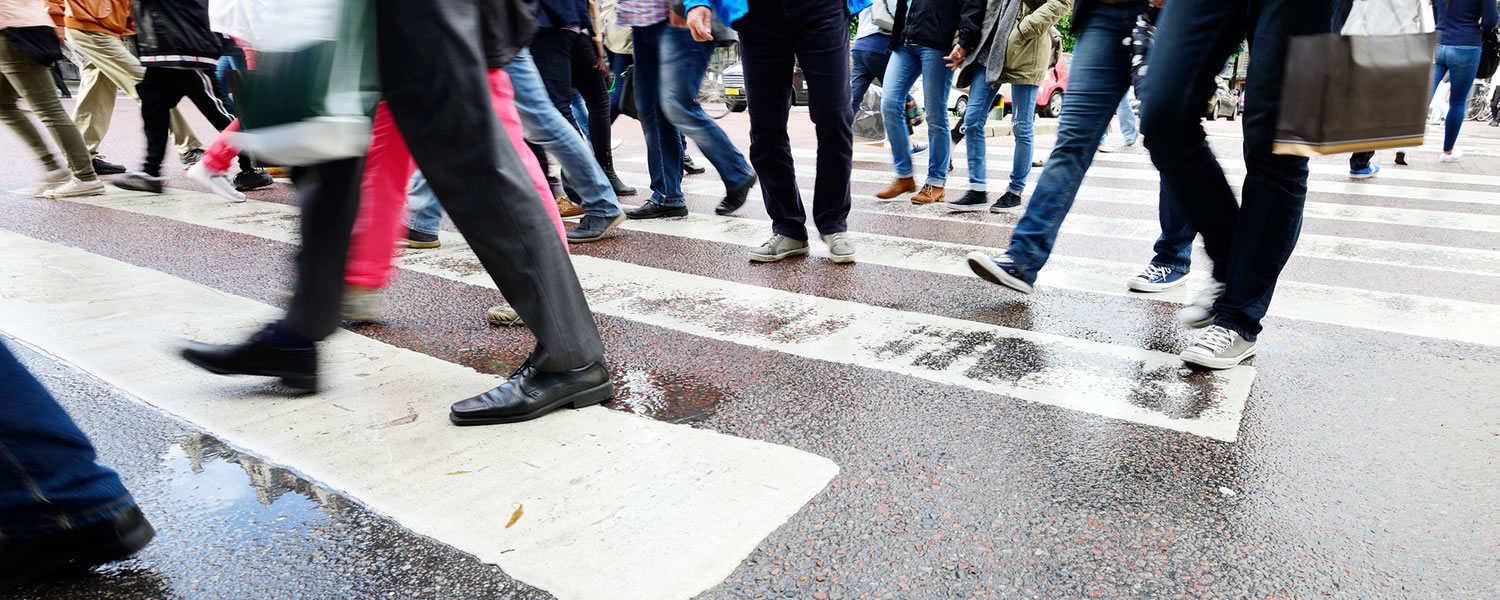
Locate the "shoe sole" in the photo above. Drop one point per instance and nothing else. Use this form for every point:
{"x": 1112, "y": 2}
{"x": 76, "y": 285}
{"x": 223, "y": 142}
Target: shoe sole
{"x": 1215, "y": 363}
{"x": 99, "y": 191}
{"x": 968, "y": 207}
{"x": 919, "y": 202}
{"x": 303, "y": 384}
{"x": 422, "y": 245}
{"x": 1151, "y": 288}
{"x": 986, "y": 270}
{"x": 1001, "y": 211}
{"x": 842, "y": 259}
{"x": 246, "y": 188}
{"x": 1361, "y": 176}
{"x": 612, "y": 225}
{"x": 584, "y": 399}
{"x": 761, "y": 258}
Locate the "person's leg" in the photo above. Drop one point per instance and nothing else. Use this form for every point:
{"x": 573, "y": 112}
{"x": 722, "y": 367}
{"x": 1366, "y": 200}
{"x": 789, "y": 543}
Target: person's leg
{"x": 1174, "y": 247}
{"x": 503, "y": 98}
{"x": 328, "y": 194}
{"x": 860, "y": 77}
{"x": 976, "y": 114}
{"x": 382, "y": 193}
{"x": 158, "y": 95}
{"x": 426, "y": 212}
{"x": 683, "y": 62}
{"x": 1100, "y": 74}
{"x": 215, "y": 110}
{"x": 1463, "y": 64}
{"x": 221, "y": 80}
{"x": 664, "y": 144}
{"x": 33, "y": 82}
{"x": 617, "y": 63}
{"x": 822, "y": 44}
{"x": 901, "y": 73}
{"x": 96, "y": 88}
{"x": 14, "y": 118}
{"x": 937, "y": 80}
{"x": 429, "y": 80}
{"x": 768, "y": 53}
{"x": 546, "y": 128}
{"x": 589, "y": 83}
{"x": 1359, "y": 161}
{"x": 1126, "y": 117}
{"x": 1023, "y": 121}
{"x": 552, "y": 53}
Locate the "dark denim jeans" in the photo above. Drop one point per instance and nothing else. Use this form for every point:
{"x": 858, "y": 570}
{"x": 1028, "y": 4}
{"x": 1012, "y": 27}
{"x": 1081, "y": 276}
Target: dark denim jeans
{"x": 49, "y": 480}
{"x": 1100, "y": 76}
{"x": 1249, "y": 241}
{"x": 669, "y": 68}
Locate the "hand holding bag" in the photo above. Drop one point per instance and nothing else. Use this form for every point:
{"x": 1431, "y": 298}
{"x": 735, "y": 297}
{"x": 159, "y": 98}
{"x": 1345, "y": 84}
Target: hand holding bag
{"x": 1361, "y": 92}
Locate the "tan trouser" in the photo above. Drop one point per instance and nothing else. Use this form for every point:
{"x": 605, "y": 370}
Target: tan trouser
{"x": 111, "y": 68}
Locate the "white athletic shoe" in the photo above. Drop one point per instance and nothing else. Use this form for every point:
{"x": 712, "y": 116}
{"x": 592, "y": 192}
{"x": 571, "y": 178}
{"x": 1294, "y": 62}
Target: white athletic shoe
{"x": 1448, "y": 158}
{"x": 1218, "y": 348}
{"x": 51, "y": 180}
{"x": 76, "y": 189}
{"x": 217, "y": 183}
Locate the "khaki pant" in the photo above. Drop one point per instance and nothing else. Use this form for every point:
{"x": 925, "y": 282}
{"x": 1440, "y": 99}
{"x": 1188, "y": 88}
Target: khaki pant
{"x": 111, "y": 68}
{"x": 23, "y": 77}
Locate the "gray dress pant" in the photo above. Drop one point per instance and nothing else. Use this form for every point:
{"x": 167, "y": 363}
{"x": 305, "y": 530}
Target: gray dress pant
{"x": 432, "y": 69}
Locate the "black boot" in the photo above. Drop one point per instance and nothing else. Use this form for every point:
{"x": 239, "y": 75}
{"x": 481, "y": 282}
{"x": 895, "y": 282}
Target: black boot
{"x": 297, "y": 366}
{"x": 25, "y": 559}
{"x": 690, "y": 167}
{"x": 531, "y": 393}
{"x": 614, "y": 180}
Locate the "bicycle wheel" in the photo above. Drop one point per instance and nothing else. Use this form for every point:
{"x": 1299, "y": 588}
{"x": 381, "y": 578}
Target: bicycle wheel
{"x": 711, "y": 95}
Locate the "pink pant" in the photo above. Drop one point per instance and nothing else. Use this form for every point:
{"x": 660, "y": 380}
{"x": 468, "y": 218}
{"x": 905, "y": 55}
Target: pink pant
{"x": 220, "y": 154}
{"x": 383, "y": 191}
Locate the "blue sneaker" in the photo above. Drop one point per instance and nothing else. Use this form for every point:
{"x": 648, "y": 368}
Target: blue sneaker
{"x": 999, "y": 270}
{"x": 1157, "y": 278}
{"x": 1364, "y": 173}
{"x": 918, "y": 148}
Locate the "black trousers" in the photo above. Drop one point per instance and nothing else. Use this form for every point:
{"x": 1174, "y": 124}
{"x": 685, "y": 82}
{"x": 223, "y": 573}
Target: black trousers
{"x": 776, "y": 35}
{"x": 566, "y": 60}
{"x": 433, "y": 75}
{"x": 1360, "y": 161}
{"x": 160, "y": 91}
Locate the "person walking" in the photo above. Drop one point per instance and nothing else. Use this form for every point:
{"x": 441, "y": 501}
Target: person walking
{"x": 773, "y": 37}
{"x": 570, "y": 59}
{"x": 25, "y": 77}
{"x": 621, "y": 50}
{"x": 869, "y": 57}
{"x": 1016, "y": 48}
{"x": 920, "y": 45}
{"x": 432, "y": 74}
{"x": 1460, "y": 24}
{"x": 97, "y": 28}
{"x": 669, "y": 69}
{"x": 59, "y": 508}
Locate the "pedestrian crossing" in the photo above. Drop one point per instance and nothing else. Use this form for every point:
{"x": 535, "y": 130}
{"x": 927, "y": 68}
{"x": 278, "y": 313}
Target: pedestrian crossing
{"x": 578, "y": 474}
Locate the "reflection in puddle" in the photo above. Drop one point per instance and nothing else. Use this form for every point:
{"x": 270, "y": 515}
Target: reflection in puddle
{"x": 203, "y": 471}
{"x": 673, "y": 399}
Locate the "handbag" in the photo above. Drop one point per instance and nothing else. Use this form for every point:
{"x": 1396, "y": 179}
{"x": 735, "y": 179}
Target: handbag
{"x": 880, "y": 16}
{"x": 1364, "y": 90}
{"x": 627, "y": 93}
{"x": 40, "y": 43}
{"x": 1489, "y": 54}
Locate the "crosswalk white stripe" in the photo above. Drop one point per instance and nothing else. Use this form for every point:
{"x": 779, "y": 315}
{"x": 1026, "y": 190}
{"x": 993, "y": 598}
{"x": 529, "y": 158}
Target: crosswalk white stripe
{"x": 378, "y": 433}
{"x": 1093, "y": 377}
{"x": 1469, "y": 261}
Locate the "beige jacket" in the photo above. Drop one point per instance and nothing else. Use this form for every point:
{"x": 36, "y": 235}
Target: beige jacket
{"x": 616, "y": 39}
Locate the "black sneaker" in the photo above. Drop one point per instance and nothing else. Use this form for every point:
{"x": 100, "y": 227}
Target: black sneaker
{"x": 191, "y": 157}
{"x": 138, "y": 182}
{"x": 26, "y": 559}
{"x": 973, "y": 201}
{"x": 1010, "y": 202}
{"x": 999, "y": 270}
{"x": 735, "y": 198}
{"x": 104, "y": 167}
{"x": 652, "y": 210}
{"x": 245, "y": 181}
{"x": 592, "y": 229}
{"x": 690, "y": 167}
{"x": 420, "y": 240}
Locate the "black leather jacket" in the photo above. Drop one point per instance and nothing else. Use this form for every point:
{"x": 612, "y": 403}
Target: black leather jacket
{"x": 934, "y": 23}
{"x": 175, "y": 33}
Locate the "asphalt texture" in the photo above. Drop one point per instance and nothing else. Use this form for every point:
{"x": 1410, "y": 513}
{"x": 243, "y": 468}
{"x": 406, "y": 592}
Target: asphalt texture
{"x": 1365, "y": 465}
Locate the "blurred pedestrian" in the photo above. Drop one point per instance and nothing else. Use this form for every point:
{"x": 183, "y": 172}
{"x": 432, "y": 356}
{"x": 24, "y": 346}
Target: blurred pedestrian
{"x": 1460, "y": 23}
{"x": 25, "y": 76}
{"x": 569, "y": 53}
{"x": 869, "y": 57}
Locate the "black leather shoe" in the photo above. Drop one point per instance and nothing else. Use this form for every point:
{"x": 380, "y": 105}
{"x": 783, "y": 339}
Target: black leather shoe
{"x": 245, "y": 181}
{"x": 104, "y": 167}
{"x": 652, "y": 210}
{"x": 614, "y": 181}
{"x": 26, "y": 559}
{"x": 735, "y": 198}
{"x": 297, "y": 367}
{"x": 690, "y": 167}
{"x": 531, "y": 393}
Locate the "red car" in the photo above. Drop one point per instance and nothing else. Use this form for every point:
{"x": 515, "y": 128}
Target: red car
{"x": 1049, "y": 95}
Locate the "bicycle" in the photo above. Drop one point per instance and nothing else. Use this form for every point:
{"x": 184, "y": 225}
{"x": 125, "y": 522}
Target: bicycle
{"x": 1480, "y": 108}
{"x": 711, "y": 94}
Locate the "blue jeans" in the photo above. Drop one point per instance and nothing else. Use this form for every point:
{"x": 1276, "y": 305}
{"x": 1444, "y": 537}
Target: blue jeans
{"x": 226, "y": 64}
{"x": 542, "y": 125}
{"x": 907, "y": 62}
{"x": 424, "y": 212}
{"x": 1128, "y": 130}
{"x": 981, "y": 98}
{"x": 864, "y": 68}
{"x": 49, "y": 480}
{"x": 669, "y": 68}
{"x": 617, "y": 65}
{"x": 1249, "y": 241}
{"x": 1461, "y": 64}
{"x": 1100, "y": 75}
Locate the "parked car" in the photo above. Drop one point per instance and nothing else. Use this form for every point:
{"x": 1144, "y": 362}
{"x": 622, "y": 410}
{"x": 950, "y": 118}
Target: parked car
{"x": 734, "y": 87}
{"x": 1223, "y": 103}
{"x": 1049, "y": 95}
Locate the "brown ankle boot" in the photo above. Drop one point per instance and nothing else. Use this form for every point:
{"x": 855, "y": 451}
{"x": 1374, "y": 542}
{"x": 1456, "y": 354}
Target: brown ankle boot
{"x": 900, "y": 186}
{"x": 928, "y": 195}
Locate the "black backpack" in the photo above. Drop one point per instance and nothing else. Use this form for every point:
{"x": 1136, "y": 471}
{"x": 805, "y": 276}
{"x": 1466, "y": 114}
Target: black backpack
{"x": 1489, "y": 54}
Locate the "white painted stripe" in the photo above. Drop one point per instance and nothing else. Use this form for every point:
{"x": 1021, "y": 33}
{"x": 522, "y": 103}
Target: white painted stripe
{"x": 614, "y": 506}
{"x": 1093, "y": 377}
{"x": 1468, "y": 261}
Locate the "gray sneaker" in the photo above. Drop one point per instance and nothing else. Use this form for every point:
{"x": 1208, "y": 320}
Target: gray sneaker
{"x": 503, "y": 316}
{"x": 1218, "y": 348}
{"x": 778, "y": 248}
{"x": 840, "y": 249}
{"x": 362, "y": 306}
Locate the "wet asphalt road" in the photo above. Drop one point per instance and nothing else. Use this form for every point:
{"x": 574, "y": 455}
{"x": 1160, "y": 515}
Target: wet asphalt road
{"x": 1364, "y": 467}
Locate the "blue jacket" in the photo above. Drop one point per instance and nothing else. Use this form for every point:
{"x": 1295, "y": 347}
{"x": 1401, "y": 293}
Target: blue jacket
{"x": 1462, "y": 20}
{"x": 564, "y": 13}
{"x": 730, "y": 11}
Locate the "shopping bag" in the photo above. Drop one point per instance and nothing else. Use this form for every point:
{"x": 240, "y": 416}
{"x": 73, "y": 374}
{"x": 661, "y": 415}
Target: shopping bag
{"x": 311, "y": 97}
{"x": 626, "y": 81}
{"x": 869, "y": 126}
{"x": 1354, "y": 93}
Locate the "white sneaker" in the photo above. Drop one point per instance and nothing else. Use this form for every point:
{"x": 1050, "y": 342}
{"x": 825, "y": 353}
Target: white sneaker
{"x": 1200, "y": 313}
{"x": 217, "y": 183}
{"x": 1106, "y": 148}
{"x": 51, "y": 180}
{"x": 76, "y": 189}
{"x": 1448, "y": 158}
{"x": 1218, "y": 348}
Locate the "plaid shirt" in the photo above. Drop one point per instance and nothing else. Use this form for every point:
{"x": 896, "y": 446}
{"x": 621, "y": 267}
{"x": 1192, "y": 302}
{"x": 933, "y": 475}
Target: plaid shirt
{"x": 641, "y": 13}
